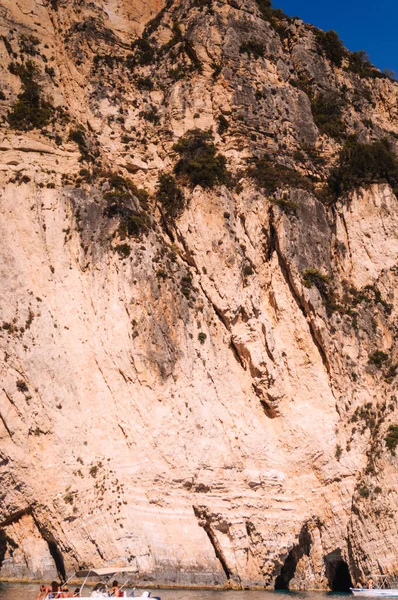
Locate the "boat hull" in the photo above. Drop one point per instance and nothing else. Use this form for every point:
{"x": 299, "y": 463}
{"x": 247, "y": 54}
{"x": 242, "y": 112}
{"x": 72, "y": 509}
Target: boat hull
{"x": 393, "y": 593}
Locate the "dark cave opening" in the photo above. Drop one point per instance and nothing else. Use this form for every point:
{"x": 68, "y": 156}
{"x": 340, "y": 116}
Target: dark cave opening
{"x": 337, "y": 572}
{"x": 289, "y": 567}
{"x": 3, "y": 546}
{"x": 57, "y": 557}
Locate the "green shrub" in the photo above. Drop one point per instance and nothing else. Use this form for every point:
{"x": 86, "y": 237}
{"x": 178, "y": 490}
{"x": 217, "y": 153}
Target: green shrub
{"x": 171, "y": 197}
{"x": 123, "y": 250}
{"x": 265, "y": 7}
{"x": 21, "y": 386}
{"x": 378, "y": 358}
{"x": 364, "y": 164}
{"x": 199, "y": 163}
{"x": 364, "y": 491}
{"x": 252, "y": 48}
{"x": 144, "y": 52}
{"x": 327, "y": 110}
{"x": 315, "y": 277}
{"x": 202, "y": 337}
{"x": 50, "y": 71}
{"x": 28, "y": 45}
{"x": 186, "y": 285}
{"x": 68, "y": 498}
{"x": 288, "y": 206}
{"x": 144, "y": 83}
{"x": 78, "y": 136}
{"x": 271, "y": 176}
{"x": 391, "y": 438}
{"x": 331, "y": 46}
{"x": 359, "y": 63}
{"x": 31, "y": 110}
{"x": 150, "y": 115}
{"x": 133, "y": 222}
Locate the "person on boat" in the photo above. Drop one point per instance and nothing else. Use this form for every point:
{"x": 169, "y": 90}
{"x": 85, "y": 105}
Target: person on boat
{"x": 55, "y": 591}
{"x": 76, "y": 593}
{"x": 65, "y": 592}
{"x": 115, "y": 590}
{"x": 43, "y": 591}
{"x": 99, "y": 590}
{"x": 370, "y": 584}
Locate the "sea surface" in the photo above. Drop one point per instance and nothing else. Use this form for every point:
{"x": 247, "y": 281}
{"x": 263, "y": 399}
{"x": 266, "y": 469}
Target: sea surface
{"x": 21, "y": 591}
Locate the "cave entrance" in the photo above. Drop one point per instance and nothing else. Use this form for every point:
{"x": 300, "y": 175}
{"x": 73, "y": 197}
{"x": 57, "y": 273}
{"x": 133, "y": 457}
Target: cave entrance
{"x": 57, "y": 557}
{"x": 289, "y": 567}
{"x": 3, "y": 546}
{"x": 337, "y": 572}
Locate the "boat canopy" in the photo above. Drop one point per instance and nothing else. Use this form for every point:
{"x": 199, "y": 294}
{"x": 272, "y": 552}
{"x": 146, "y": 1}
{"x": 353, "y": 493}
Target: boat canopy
{"x": 104, "y": 572}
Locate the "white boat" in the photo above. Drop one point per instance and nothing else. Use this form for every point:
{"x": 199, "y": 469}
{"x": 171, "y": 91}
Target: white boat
{"x": 102, "y": 589}
{"x": 379, "y": 585}
{"x": 373, "y": 592}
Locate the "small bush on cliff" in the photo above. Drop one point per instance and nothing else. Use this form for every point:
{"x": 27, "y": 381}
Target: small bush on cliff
{"x": 265, "y": 7}
{"x": 123, "y": 250}
{"x": 378, "y": 358}
{"x": 391, "y": 438}
{"x": 364, "y": 164}
{"x": 21, "y": 386}
{"x": 331, "y": 46}
{"x": 364, "y": 491}
{"x": 130, "y": 205}
{"x": 202, "y": 337}
{"x": 315, "y": 277}
{"x": 359, "y": 63}
{"x": 78, "y": 136}
{"x": 327, "y": 111}
{"x": 171, "y": 197}
{"x": 144, "y": 53}
{"x": 31, "y": 110}
{"x": 268, "y": 13}
{"x": 271, "y": 176}
{"x": 200, "y": 163}
{"x": 288, "y": 206}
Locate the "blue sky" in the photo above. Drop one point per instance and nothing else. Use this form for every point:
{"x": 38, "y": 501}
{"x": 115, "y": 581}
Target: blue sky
{"x": 362, "y": 24}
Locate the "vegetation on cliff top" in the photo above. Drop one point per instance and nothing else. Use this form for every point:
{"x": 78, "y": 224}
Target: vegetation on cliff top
{"x": 363, "y": 164}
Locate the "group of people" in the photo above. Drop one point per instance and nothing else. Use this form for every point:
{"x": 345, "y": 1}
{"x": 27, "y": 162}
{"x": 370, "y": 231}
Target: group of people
{"x": 56, "y": 590}
{"x": 368, "y": 585}
{"x": 101, "y": 590}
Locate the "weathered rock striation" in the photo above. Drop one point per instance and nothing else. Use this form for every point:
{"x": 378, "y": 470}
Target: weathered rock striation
{"x": 205, "y": 391}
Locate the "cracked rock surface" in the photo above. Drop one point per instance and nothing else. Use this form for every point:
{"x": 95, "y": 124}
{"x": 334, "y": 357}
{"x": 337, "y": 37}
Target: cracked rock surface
{"x": 181, "y": 400}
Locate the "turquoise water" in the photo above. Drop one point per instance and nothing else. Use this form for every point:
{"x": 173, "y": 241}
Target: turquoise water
{"x": 18, "y": 591}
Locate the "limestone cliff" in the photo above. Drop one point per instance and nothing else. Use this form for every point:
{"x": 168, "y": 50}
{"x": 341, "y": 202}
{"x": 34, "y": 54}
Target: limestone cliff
{"x": 197, "y": 381}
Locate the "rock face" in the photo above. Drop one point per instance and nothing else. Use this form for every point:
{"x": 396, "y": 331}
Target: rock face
{"x": 180, "y": 396}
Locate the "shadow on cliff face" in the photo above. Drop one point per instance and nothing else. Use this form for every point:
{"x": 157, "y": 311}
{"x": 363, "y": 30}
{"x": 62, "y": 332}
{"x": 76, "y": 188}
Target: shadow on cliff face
{"x": 57, "y": 557}
{"x": 6, "y": 543}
